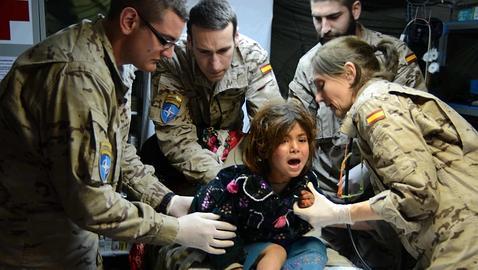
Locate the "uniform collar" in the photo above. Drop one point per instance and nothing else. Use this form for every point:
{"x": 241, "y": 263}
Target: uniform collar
{"x": 98, "y": 27}
{"x": 236, "y": 75}
{"x": 364, "y": 33}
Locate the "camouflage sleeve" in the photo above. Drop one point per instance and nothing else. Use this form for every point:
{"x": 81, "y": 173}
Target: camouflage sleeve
{"x": 401, "y": 160}
{"x": 176, "y": 132}
{"x": 263, "y": 85}
{"x": 302, "y": 87}
{"x": 76, "y": 135}
{"x": 408, "y": 72}
{"x": 138, "y": 179}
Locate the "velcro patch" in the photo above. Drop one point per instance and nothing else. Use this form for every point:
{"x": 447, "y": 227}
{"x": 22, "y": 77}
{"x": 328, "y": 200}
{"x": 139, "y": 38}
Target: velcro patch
{"x": 375, "y": 117}
{"x": 170, "y": 109}
{"x": 105, "y": 160}
{"x": 410, "y": 58}
{"x": 266, "y": 68}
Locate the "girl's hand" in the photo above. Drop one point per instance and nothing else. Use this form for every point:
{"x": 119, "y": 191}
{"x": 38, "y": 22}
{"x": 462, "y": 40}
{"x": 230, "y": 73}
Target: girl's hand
{"x": 306, "y": 198}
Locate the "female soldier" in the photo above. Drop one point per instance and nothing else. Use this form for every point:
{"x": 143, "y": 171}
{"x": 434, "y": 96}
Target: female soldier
{"x": 423, "y": 156}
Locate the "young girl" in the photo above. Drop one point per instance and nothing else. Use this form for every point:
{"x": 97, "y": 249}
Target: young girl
{"x": 258, "y": 197}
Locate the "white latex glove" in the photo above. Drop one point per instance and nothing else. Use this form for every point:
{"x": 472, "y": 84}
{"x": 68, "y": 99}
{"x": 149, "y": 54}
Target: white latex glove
{"x": 323, "y": 212}
{"x": 179, "y": 205}
{"x": 205, "y": 232}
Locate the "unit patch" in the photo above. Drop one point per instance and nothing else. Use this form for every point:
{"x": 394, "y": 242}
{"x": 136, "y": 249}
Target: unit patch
{"x": 105, "y": 161}
{"x": 375, "y": 117}
{"x": 410, "y": 58}
{"x": 266, "y": 68}
{"x": 170, "y": 108}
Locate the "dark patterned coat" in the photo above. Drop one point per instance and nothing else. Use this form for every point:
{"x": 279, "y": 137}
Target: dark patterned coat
{"x": 248, "y": 201}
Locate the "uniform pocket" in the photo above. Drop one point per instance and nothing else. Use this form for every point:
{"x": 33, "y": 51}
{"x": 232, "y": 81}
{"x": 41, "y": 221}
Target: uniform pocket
{"x": 103, "y": 162}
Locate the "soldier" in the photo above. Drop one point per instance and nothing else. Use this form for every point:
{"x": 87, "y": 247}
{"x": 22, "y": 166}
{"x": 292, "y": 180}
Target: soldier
{"x": 199, "y": 93}
{"x": 65, "y": 165}
{"x": 334, "y": 18}
{"x": 422, "y": 154}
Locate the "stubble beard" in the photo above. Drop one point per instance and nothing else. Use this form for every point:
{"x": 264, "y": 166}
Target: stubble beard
{"x": 351, "y": 30}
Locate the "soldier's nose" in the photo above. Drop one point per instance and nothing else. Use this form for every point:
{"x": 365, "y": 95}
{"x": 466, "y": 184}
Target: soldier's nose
{"x": 215, "y": 65}
{"x": 325, "y": 27}
{"x": 168, "y": 53}
{"x": 319, "y": 97}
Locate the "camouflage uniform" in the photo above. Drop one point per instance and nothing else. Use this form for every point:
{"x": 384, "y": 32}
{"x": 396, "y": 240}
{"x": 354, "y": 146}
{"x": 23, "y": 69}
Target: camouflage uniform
{"x": 186, "y": 105}
{"x": 424, "y": 159}
{"x": 330, "y": 143}
{"x": 64, "y": 122}
{"x": 331, "y": 146}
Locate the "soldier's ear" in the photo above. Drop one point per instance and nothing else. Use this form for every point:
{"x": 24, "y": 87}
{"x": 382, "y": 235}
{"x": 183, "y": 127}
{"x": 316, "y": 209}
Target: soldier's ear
{"x": 236, "y": 36}
{"x": 129, "y": 20}
{"x": 350, "y": 72}
{"x": 356, "y": 10}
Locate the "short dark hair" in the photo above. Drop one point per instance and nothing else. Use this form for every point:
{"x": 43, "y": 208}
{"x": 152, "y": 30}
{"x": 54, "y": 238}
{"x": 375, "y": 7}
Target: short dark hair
{"x": 270, "y": 126}
{"x": 347, "y": 3}
{"x": 212, "y": 14}
{"x": 151, "y": 10}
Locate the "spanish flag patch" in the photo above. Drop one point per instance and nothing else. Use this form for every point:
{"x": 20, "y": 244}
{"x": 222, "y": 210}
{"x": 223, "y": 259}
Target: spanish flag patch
{"x": 375, "y": 116}
{"x": 410, "y": 58}
{"x": 266, "y": 68}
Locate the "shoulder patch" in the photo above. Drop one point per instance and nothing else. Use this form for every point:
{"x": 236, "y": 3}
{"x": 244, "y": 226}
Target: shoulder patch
{"x": 410, "y": 58}
{"x": 170, "y": 108}
{"x": 266, "y": 68}
{"x": 375, "y": 116}
{"x": 105, "y": 160}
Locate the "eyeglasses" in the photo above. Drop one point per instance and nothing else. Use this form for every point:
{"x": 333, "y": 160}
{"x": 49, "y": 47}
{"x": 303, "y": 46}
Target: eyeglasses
{"x": 165, "y": 42}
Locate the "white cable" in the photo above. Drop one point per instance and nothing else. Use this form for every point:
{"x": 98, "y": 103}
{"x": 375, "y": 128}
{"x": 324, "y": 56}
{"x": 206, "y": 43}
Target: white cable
{"x": 429, "y": 38}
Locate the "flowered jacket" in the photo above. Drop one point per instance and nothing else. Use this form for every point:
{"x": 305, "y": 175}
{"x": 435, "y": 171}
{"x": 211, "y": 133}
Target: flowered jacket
{"x": 248, "y": 201}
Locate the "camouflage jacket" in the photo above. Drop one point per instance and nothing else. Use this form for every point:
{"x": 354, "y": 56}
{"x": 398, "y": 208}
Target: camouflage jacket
{"x": 64, "y": 123}
{"x": 331, "y": 144}
{"x": 186, "y": 105}
{"x": 424, "y": 160}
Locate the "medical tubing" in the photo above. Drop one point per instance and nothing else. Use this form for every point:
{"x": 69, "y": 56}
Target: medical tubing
{"x": 346, "y": 200}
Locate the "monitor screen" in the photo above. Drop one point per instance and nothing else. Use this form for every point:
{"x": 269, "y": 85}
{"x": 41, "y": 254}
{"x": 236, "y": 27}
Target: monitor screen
{"x": 458, "y": 76}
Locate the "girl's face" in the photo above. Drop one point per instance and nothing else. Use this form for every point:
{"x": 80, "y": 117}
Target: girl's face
{"x": 290, "y": 157}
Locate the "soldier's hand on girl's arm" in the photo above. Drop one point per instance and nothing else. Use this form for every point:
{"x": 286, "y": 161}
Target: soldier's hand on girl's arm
{"x": 179, "y": 205}
{"x": 323, "y": 212}
{"x": 204, "y": 231}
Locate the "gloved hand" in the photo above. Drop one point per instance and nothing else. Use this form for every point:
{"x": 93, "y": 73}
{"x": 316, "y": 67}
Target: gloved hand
{"x": 179, "y": 205}
{"x": 323, "y": 212}
{"x": 205, "y": 232}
